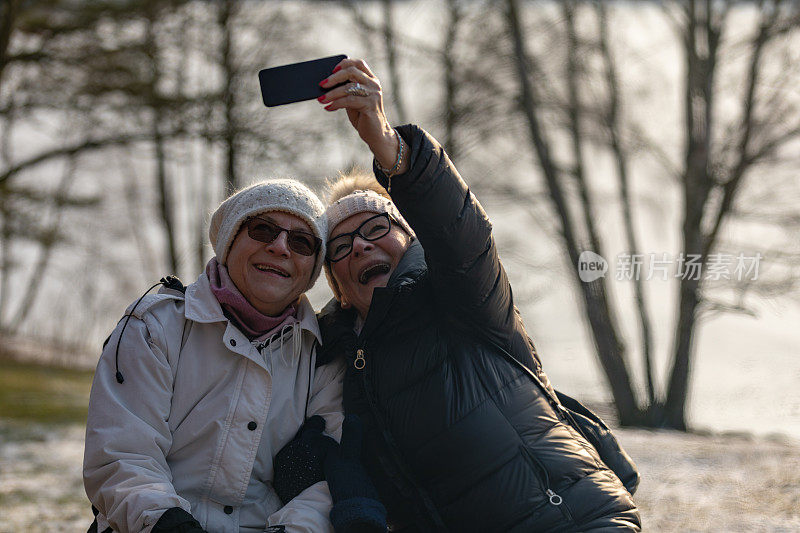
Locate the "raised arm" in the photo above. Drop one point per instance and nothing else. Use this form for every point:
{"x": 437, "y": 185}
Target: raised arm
{"x": 456, "y": 235}
{"x": 427, "y": 189}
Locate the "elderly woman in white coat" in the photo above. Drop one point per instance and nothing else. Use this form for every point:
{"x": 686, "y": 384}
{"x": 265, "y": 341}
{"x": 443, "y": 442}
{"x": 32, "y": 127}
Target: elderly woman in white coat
{"x": 197, "y": 391}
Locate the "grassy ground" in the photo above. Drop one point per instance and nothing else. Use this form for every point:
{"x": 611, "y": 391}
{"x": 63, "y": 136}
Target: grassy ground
{"x": 42, "y": 419}
{"x": 43, "y": 394}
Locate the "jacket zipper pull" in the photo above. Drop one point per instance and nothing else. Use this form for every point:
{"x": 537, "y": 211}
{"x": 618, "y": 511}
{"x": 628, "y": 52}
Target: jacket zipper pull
{"x": 360, "y": 362}
{"x": 555, "y": 499}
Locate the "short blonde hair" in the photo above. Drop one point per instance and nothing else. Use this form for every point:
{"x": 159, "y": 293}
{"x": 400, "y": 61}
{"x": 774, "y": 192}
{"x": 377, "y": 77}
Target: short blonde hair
{"x": 355, "y": 178}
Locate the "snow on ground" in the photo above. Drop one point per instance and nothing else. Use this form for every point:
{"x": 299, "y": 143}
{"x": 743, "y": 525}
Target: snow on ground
{"x": 724, "y": 483}
{"x": 41, "y": 489}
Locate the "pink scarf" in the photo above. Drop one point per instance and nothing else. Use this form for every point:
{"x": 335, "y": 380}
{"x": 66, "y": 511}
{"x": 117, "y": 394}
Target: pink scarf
{"x": 252, "y": 322}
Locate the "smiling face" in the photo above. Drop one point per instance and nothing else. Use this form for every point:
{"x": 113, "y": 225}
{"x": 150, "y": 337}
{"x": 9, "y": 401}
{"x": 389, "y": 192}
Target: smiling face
{"x": 370, "y": 263}
{"x": 271, "y": 276}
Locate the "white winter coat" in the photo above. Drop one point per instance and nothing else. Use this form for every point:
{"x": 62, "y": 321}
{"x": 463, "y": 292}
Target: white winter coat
{"x": 200, "y": 416}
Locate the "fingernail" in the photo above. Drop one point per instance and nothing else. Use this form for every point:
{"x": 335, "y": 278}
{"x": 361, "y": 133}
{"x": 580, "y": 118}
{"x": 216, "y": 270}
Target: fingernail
{"x": 321, "y": 99}
{"x": 323, "y": 82}
{"x": 337, "y": 69}
{"x": 328, "y": 107}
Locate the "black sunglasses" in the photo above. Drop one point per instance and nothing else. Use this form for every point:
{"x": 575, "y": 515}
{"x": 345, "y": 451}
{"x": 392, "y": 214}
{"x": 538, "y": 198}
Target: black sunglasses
{"x": 266, "y": 231}
{"x": 371, "y": 229}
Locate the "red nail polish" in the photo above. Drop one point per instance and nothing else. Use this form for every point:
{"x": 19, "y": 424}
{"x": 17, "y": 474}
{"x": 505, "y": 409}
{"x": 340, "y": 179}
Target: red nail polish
{"x": 337, "y": 69}
{"x": 323, "y": 82}
{"x": 321, "y": 99}
{"x": 328, "y": 107}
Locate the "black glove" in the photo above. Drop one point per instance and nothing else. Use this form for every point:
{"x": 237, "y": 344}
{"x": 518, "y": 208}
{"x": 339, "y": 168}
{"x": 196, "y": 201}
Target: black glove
{"x": 176, "y": 520}
{"x": 300, "y": 463}
{"x": 356, "y": 507}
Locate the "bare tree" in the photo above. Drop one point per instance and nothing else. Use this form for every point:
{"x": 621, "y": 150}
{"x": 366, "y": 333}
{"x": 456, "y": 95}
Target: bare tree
{"x": 715, "y": 166}
{"x": 717, "y": 157}
{"x": 37, "y": 73}
{"x": 113, "y": 66}
{"x": 602, "y": 320}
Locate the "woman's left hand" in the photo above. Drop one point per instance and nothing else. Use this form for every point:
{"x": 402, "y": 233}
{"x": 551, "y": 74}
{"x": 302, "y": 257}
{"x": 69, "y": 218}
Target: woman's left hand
{"x": 362, "y": 97}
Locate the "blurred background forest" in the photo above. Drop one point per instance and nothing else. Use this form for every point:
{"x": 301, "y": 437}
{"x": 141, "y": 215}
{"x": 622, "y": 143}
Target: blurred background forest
{"x": 622, "y": 128}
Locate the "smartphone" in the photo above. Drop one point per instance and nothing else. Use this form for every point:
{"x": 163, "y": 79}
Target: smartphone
{"x": 296, "y": 82}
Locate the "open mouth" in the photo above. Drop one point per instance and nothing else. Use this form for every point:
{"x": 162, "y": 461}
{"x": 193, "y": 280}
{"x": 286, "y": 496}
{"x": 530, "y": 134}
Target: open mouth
{"x": 372, "y": 271}
{"x": 272, "y": 269}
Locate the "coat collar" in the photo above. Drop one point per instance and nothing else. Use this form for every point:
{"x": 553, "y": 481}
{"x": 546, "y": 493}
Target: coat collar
{"x": 337, "y": 326}
{"x": 410, "y": 268}
{"x": 202, "y": 306}
{"x": 337, "y": 323}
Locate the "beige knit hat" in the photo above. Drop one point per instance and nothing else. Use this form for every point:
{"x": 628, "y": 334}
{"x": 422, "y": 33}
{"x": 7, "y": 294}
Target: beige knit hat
{"x": 285, "y": 195}
{"x": 359, "y": 201}
{"x": 363, "y": 201}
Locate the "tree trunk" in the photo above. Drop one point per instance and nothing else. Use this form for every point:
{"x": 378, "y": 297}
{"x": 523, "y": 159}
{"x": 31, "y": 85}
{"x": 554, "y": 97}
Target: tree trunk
{"x": 391, "y": 58}
{"x": 47, "y": 242}
{"x": 5, "y": 262}
{"x": 8, "y": 14}
{"x": 151, "y": 266}
{"x": 610, "y": 349}
{"x": 612, "y": 120}
{"x": 226, "y": 15}
{"x": 574, "y": 113}
{"x": 204, "y": 201}
{"x": 677, "y": 393}
{"x": 5, "y": 213}
{"x": 153, "y": 101}
{"x": 699, "y": 182}
{"x": 701, "y": 40}
{"x": 166, "y": 205}
{"x": 450, "y": 107}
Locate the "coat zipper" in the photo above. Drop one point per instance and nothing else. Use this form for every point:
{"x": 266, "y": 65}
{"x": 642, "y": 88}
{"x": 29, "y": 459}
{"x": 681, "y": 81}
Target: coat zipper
{"x": 387, "y": 438}
{"x": 555, "y": 499}
{"x": 360, "y": 362}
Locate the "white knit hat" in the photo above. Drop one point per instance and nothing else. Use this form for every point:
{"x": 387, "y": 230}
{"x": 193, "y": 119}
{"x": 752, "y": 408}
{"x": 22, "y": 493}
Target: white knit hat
{"x": 285, "y": 195}
{"x": 363, "y": 202}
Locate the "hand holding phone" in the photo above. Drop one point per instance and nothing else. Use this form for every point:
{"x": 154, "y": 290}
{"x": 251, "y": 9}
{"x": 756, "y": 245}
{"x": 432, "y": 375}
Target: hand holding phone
{"x": 296, "y": 82}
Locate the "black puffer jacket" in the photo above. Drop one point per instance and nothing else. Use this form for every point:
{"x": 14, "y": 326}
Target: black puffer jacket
{"x": 456, "y": 437}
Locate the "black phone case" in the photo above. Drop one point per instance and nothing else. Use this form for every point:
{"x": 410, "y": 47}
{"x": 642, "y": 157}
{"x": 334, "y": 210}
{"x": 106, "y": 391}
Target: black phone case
{"x": 296, "y": 82}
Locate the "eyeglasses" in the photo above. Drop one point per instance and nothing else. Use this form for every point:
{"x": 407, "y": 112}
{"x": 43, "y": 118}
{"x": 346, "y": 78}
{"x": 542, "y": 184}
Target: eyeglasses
{"x": 266, "y": 231}
{"x": 371, "y": 229}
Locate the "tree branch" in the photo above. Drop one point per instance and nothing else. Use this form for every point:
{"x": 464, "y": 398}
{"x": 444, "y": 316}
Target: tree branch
{"x": 731, "y": 187}
{"x": 66, "y": 151}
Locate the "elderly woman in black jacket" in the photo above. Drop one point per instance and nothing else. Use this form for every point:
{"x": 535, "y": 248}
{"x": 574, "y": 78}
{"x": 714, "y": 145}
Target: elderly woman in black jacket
{"x": 456, "y": 436}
